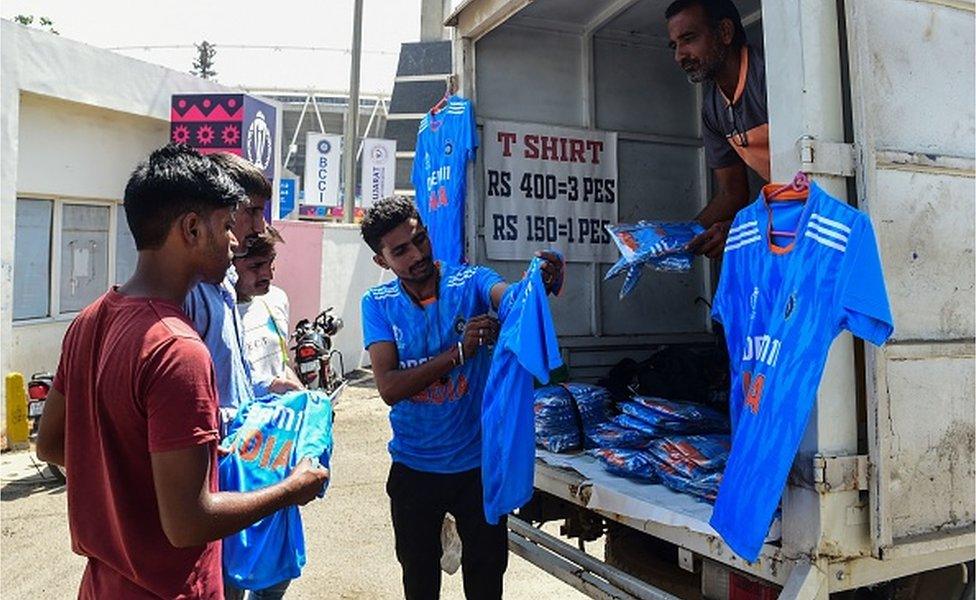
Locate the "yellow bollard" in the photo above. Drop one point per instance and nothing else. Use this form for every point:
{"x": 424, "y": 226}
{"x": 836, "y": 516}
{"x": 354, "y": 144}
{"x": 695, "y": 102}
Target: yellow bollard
{"x": 17, "y": 427}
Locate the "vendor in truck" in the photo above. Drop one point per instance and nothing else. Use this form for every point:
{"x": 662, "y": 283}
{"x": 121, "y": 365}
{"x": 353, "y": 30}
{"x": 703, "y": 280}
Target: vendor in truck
{"x": 709, "y": 44}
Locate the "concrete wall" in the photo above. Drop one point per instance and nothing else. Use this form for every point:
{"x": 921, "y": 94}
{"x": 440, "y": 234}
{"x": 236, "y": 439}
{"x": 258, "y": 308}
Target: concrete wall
{"x": 322, "y": 265}
{"x": 74, "y": 121}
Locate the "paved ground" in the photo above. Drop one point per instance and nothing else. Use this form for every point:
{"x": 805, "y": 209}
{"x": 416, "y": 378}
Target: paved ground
{"x": 349, "y": 536}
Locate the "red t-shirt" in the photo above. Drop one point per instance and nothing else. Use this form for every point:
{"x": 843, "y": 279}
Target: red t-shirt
{"x": 136, "y": 379}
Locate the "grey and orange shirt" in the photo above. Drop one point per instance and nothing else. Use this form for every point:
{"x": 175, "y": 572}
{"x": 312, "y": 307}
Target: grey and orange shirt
{"x": 737, "y": 131}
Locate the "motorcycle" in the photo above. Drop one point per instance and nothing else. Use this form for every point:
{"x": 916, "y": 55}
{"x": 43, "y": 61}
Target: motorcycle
{"x": 320, "y": 366}
{"x": 38, "y": 389}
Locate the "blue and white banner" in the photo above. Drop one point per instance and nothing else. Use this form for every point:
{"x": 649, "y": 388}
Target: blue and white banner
{"x": 323, "y": 164}
{"x": 378, "y": 172}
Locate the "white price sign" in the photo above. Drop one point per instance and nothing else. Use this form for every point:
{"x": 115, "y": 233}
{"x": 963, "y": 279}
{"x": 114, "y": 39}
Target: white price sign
{"x": 322, "y": 167}
{"x": 549, "y": 187}
{"x": 378, "y": 170}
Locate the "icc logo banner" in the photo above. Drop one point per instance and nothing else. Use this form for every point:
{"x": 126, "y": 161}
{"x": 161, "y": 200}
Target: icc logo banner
{"x": 378, "y": 170}
{"x": 235, "y": 123}
{"x": 323, "y": 164}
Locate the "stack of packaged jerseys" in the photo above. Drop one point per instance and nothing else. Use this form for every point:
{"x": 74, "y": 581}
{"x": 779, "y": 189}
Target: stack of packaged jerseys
{"x": 566, "y": 414}
{"x": 681, "y": 445}
{"x": 687, "y": 464}
{"x": 657, "y": 416}
{"x": 691, "y": 464}
{"x": 658, "y": 245}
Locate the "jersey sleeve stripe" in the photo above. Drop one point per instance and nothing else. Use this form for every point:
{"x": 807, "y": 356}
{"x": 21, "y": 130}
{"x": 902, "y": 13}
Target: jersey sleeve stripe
{"x": 742, "y": 235}
{"x": 744, "y": 242}
{"x": 828, "y": 232}
{"x": 748, "y": 224}
{"x": 830, "y": 222}
{"x": 826, "y": 242}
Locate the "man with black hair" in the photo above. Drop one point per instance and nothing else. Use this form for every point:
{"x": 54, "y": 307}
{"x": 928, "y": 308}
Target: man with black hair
{"x": 132, "y": 413}
{"x": 264, "y": 310}
{"x": 710, "y": 46}
{"x": 212, "y": 306}
{"x": 428, "y": 334}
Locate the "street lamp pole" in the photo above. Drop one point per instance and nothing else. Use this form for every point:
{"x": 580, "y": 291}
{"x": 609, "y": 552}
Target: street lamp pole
{"x": 350, "y": 136}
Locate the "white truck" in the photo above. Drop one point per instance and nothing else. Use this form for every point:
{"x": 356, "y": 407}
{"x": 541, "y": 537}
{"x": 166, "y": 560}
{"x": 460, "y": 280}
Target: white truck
{"x": 873, "y": 99}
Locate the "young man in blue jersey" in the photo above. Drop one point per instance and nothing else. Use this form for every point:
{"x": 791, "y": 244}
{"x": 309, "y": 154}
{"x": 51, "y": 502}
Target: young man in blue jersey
{"x": 428, "y": 334}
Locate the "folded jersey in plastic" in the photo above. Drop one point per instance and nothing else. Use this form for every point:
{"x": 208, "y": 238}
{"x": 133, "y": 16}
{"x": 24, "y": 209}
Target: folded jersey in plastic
{"x": 266, "y": 439}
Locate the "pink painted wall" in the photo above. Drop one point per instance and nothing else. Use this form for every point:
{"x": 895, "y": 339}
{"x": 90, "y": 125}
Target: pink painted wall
{"x": 298, "y": 268}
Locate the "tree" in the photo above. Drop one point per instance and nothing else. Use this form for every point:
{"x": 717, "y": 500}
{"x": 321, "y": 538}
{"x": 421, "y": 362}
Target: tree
{"x": 203, "y": 66}
{"x": 44, "y": 23}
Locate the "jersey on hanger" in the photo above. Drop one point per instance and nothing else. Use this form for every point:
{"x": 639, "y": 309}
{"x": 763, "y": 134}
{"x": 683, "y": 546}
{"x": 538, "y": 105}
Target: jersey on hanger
{"x": 446, "y": 141}
{"x": 439, "y": 429}
{"x": 266, "y": 439}
{"x": 781, "y": 307}
{"x": 526, "y": 348}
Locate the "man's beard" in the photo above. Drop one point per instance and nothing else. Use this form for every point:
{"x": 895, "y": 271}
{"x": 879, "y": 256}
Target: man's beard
{"x": 709, "y": 68}
{"x": 422, "y": 272}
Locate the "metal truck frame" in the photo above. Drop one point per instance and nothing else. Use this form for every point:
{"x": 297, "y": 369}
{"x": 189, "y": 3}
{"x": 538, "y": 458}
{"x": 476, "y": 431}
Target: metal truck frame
{"x": 873, "y": 99}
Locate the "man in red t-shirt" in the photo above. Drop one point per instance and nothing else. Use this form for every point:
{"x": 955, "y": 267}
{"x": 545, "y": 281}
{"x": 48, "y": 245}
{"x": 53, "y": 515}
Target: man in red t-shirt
{"x": 133, "y": 410}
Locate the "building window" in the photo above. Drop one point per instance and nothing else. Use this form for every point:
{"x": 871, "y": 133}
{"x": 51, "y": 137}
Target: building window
{"x": 32, "y": 259}
{"x": 84, "y": 255}
{"x": 67, "y": 254}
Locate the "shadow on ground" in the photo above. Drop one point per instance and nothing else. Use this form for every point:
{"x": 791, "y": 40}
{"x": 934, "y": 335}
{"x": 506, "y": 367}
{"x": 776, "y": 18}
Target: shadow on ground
{"x": 39, "y": 482}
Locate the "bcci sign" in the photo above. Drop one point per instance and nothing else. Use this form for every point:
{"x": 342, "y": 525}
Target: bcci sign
{"x": 378, "y": 170}
{"x": 322, "y": 164}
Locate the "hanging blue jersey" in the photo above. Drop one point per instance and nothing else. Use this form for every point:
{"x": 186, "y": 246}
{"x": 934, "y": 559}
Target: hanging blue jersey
{"x": 266, "y": 439}
{"x": 445, "y": 143}
{"x": 527, "y": 348}
{"x": 781, "y": 307}
{"x": 439, "y": 429}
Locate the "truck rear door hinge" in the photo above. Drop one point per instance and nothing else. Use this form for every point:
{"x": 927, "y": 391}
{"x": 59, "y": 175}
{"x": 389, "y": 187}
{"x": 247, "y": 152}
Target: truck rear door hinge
{"x": 827, "y": 158}
{"x": 826, "y": 474}
{"x": 840, "y": 473}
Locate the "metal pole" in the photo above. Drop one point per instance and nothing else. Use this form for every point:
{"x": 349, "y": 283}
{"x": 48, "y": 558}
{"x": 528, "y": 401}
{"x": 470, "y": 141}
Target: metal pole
{"x": 352, "y": 116}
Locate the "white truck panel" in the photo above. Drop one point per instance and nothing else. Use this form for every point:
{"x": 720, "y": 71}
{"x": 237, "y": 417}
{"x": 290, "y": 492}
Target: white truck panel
{"x": 926, "y": 244}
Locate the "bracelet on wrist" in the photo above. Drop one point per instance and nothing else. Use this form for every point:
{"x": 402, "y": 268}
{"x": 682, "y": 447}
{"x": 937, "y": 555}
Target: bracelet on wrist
{"x": 460, "y": 349}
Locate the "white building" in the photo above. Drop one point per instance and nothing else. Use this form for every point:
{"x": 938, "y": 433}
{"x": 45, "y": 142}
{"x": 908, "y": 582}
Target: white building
{"x": 74, "y": 121}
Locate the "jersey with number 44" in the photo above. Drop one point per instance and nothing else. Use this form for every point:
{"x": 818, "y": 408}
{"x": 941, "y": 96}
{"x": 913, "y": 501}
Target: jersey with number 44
{"x": 781, "y": 307}
{"x": 446, "y": 141}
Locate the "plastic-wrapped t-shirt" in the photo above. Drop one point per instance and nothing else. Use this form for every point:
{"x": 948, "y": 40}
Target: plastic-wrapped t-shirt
{"x": 676, "y": 417}
{"x": 565, "y": 413}
{"x": 692, "y": 456}
{"x": 593, "y": 402}
{"x": 615, "y": 435}
{"x": 267, "y": 438}
{"x": 527, "y": 348}
{"x": 635, "y": 464}
{"x": 557, "y": 420}
{"x": 657, "y": 245}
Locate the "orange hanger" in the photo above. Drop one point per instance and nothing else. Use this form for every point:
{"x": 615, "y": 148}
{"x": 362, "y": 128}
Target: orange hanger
{"x": 799, "y": 185}
{"x": 451, "y": 88}
{"x": 440, "y": 104}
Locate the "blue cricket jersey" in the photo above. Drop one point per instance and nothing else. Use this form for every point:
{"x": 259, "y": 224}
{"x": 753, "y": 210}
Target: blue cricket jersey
{"x": 781, "y": 307}
{"x": 267, "y": 438}
{"x": 439, "y": 429}
{"x": 527, "y": 348}
{"x": 445, "y": 143}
